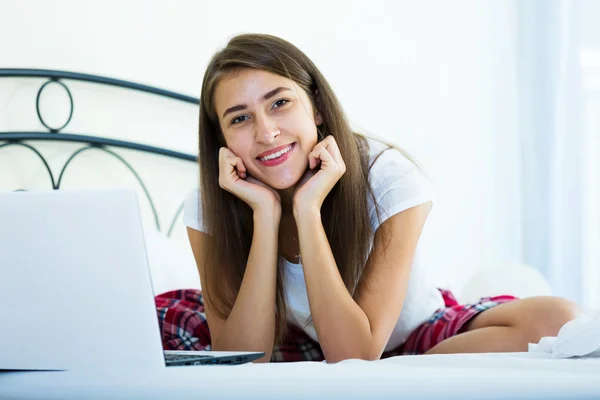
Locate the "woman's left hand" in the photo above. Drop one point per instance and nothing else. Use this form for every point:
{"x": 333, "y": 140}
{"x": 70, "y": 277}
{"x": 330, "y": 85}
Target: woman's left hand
{"x": 326, "y": 167}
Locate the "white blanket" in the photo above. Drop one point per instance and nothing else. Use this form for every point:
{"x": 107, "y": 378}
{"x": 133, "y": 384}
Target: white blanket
{"x": 577, "y": 338}
{"x": 464, "y": 376}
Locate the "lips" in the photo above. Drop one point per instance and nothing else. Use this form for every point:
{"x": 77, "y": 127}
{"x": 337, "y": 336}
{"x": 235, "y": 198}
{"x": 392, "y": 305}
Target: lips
{"x": 283, "y": 157}
{"x": 273, "y": 151}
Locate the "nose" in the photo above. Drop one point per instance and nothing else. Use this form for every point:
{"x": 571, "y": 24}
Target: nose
{"x": 266, "y": 130}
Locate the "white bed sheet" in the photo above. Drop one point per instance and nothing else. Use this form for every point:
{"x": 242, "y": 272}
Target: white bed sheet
{"x": 464, "y": 376}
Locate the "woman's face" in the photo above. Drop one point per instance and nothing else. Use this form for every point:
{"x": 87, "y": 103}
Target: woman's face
{"x": 269, "y": 122}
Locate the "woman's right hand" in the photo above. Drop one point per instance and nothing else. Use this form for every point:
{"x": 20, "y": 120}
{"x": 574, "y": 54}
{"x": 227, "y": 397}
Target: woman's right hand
{"x": 234, "y": 178}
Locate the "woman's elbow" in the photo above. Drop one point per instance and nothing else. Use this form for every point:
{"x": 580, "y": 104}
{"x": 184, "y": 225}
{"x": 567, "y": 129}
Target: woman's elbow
{"x": 366, "y": 355}
{"x": 264, "y": 359}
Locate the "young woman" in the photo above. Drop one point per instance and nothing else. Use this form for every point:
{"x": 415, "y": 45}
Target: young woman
{"x": 305, "y": 232}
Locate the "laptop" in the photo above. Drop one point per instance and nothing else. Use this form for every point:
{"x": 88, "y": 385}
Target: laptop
{"x": 75, "y": 286}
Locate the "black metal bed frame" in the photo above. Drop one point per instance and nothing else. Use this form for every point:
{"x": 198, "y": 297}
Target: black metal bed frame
{"x": 90, "y": 142}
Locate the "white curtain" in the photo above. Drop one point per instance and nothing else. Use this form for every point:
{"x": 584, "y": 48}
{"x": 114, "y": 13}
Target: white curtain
{"x": 550, "y": 129}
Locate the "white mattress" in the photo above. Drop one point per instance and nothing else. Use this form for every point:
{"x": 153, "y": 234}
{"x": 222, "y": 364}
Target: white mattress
{"x": 464, "y": 376}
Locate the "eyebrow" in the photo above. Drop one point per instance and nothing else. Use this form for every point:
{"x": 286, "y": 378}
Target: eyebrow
{"x": 267, "y": 96}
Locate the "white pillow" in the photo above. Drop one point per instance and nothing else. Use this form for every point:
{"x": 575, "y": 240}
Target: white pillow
{"x": 171, "y": 261}
{"x": 515, "y": 279}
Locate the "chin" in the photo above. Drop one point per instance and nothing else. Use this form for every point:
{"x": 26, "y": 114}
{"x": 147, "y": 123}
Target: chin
{"x": 284, "y": 182}
{"x": 279, "y": 185}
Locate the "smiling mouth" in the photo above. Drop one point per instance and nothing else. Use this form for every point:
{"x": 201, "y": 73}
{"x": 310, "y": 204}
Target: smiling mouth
{"x": 278, "y": 154}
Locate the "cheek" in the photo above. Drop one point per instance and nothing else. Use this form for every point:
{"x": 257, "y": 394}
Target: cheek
{"x": 310, "y": 138}
{"x": 303, "y": 127}
{"x": 239, "y": 144}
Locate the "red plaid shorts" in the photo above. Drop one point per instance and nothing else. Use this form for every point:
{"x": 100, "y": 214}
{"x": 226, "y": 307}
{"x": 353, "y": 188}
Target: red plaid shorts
{"x": 183, "y": 326}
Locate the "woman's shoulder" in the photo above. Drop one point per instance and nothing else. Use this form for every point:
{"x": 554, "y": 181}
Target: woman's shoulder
{"x": 192, "y": 210}
{"x": 397, "y": 181}
{"x": 192, "y": 199}
{"x": 388, "y": 161}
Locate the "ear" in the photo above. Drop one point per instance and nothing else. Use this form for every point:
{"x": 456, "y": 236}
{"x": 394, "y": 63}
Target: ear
{"x": 318, "y": 116}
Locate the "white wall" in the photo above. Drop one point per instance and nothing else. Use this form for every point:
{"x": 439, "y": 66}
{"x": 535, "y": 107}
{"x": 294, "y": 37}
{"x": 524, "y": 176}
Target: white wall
{"x": 419, "y": 73}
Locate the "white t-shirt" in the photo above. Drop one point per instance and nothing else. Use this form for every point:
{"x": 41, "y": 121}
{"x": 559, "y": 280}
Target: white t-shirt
{"x": 398, "y": 185}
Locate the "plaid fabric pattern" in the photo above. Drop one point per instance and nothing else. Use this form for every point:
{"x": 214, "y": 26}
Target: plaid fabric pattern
{"x": 182, "y": 321}
{"x": 445, "y": 323}
{"x": 183, "y": 326}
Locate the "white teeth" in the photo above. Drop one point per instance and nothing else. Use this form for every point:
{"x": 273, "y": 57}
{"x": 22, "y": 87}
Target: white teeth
{"x": 276, "y": 155}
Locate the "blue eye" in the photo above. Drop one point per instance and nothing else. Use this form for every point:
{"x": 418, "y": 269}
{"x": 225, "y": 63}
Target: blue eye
{"x": 280, "y": 103}
{"x": 238, "y": 120}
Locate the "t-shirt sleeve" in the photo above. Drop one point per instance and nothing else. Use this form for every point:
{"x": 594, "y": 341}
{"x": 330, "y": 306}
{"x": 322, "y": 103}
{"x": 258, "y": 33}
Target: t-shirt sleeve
{"x": 192, "y": 213}
{"x": 398, "y": 184}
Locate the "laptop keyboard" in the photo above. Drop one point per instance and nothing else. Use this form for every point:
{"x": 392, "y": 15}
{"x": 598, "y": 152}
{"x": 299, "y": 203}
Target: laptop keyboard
{"x": 224, "y": 358}
{"x": 178, "y": 357}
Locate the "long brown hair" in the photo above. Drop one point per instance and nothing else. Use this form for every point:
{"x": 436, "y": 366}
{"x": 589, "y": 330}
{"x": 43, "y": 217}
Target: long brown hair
{"x": 345, "y": 211}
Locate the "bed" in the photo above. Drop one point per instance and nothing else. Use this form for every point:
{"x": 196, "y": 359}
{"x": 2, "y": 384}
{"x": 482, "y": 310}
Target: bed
{"x": 80, "y": 149}
{"x": 66, "y": 144}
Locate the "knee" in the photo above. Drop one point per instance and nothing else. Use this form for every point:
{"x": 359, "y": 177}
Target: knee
{"x": 544, "y": 316}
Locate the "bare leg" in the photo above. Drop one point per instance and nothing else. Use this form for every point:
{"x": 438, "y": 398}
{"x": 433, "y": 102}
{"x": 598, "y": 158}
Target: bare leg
{"x": 510, "y": 327}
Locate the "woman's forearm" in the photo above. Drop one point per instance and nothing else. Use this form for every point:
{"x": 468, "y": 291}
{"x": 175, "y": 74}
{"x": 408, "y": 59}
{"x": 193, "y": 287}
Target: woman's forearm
{"x": 251, "y": 323}
{"x": 342, "y": 326}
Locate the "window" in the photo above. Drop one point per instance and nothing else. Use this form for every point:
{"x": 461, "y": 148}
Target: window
{"x": 590, "y": 73}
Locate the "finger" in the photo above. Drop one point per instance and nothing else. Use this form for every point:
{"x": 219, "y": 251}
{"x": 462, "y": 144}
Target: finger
{"x": 313, "y": 158}
{"x": 224, "y": 158}
{"x": 330, "y": 144}
{"x": 321, "y": 155}
{"x": 241, "y": 168}
{"x": 334, "y": 150}
{"x": 224, "y": 164}
{"x": 323, "y": 143}
{"x": 332, "y": 147}
{"x": 225, "y": 152}
{"x": 230, "y": 162}
{"x": 222, "y": 154}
